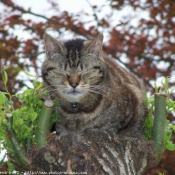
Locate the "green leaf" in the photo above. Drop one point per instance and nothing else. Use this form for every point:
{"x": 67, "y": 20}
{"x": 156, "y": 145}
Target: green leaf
{"x": 4, "y": 121}
{"x": 34, "y": 116}
{"x": 28, "y": 92}
{"x": 4, "y": 77}
{"x": 20, "y": 97}
{"x": 56, "y": 102}
{"x": 172, "y": 126}
{"x": 3, "y": 99}
{"x": 16, "y": 114}
{"x": 10, "y": 167}
{"x": 27, "y": 131}
{"x": 46, "y": 91}
{"x": 30, "y": 75}
{"x": 20, "y": 121}
{"x": 161, "y": 173}
{"x": 37, "y": 85}
{"x": 170, "y": 146}
{"x": 6, "y": 67}
{"x": 156, "y": 88}
{"x": 170, "y": 103}
{"x": 168, "y": 134}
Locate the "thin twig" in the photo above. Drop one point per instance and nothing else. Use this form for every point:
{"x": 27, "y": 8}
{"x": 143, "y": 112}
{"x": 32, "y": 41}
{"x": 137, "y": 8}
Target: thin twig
{"x": 23, "y": 161}
{"x": 22, "y": 10}
{"x": 93, "y": 11}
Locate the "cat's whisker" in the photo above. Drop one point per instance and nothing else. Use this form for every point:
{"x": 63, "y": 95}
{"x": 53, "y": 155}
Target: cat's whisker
{"x": 46, "y": 87}
{"x": 53, "y": 95}
{"x": 103, "y": 87}
{"x": 56, "y": 89}
{"x": 52, "y": 86}
{"x": 92, "y": 96}
{"x": 61, "y": 71}
{"x": 96, "y": 88}
{"x": 90, "y": 90}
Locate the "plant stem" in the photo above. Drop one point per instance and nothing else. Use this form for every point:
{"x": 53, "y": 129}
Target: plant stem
{"x": 23, "y": 161}
{"x": 43, "y": 123}
{"x": 158, "y": 132}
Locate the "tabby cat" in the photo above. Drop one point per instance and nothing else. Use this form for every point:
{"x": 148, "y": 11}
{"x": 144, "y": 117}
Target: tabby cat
{"x": 94, "y": 92}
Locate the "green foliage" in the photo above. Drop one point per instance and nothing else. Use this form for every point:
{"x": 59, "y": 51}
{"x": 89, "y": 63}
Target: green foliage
{"x": 10, "y": 167}
{"x": 163, "y": 89}
{"x": 161, "y": 174}
{"x": 25, "y": 117}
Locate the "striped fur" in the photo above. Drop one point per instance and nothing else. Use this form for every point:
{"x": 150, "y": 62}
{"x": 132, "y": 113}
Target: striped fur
{"x": 94, "y": 92}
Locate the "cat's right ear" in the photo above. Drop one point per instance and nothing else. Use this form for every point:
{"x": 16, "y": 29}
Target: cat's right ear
{"x": 53, "y": 47}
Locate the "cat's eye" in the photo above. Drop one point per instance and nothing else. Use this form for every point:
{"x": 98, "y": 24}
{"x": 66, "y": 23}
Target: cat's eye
{"x": 50, "y": 69}
{"x": 45, "y": 74}
{"x": 96, "y": 67}
{"x": 47, "y": 70}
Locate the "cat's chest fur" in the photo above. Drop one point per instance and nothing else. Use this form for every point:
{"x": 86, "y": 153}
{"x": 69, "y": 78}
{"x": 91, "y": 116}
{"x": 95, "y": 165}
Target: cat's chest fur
{"x": 94, "y": 92}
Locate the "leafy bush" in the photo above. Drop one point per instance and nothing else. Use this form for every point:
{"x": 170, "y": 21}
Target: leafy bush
{"x": 24, "y": 120}
{"x": 170, "y": 108}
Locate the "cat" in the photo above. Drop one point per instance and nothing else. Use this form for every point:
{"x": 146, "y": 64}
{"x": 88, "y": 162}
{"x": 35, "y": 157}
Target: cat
{"x": 94, "y": 91}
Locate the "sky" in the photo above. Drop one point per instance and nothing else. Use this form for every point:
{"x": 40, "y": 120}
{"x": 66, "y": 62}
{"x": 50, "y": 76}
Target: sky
{"x": 70, "y": 5}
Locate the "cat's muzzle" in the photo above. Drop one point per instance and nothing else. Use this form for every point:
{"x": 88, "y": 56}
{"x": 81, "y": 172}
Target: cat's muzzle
{"x": 74, "y": 92}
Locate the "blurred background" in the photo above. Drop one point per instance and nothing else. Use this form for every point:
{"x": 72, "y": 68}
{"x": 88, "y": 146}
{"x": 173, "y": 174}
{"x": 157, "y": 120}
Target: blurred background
{"x": 140, "y": 35}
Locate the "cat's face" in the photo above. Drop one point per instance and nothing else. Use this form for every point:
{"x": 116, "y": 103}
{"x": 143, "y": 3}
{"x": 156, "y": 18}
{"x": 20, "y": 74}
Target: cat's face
{"x": 74, "y": 69}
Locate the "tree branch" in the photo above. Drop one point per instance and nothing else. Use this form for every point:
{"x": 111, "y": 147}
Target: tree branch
{"x": 158, "y": 132}
{"x": 93, "y": 11}
{"x": 22, "y": 10}
{"x": 43, "y": 123}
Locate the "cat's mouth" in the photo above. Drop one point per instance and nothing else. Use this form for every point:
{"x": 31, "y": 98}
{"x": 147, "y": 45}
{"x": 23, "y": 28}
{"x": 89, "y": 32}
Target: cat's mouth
{"x": 74, "y": 92}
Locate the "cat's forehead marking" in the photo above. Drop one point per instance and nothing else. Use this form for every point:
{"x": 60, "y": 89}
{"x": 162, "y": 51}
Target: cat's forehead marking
{"x": 74, "y": 48}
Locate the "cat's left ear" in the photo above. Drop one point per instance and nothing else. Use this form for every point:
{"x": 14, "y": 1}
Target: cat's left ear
{"x": 94, "y": 46}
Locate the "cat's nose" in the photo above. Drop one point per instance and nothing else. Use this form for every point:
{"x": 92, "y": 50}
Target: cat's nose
{"x": 74, "y": 81}
{"x": 74, "y": 85}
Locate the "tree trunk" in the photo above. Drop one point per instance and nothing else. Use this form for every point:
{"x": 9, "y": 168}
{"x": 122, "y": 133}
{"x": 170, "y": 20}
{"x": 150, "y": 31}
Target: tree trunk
{"x": 94, "y": 153}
